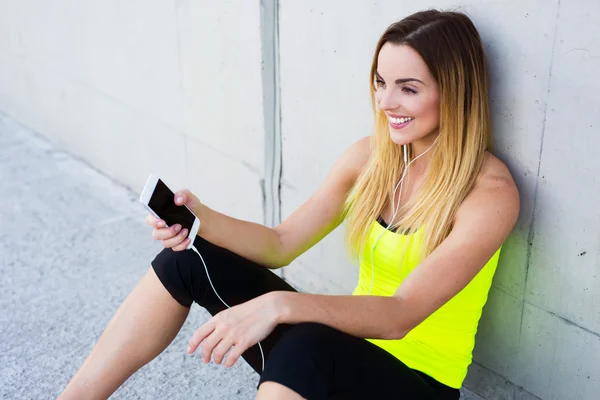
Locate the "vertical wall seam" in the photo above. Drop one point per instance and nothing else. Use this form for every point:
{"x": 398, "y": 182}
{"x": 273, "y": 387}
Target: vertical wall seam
{"x": 271, "y": 183}
{"x": 279, "y": 135}
{"x": 531, "y": 234}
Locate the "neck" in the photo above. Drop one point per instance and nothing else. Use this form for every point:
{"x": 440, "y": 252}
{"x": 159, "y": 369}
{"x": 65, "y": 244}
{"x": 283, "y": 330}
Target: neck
{"x": 419, "y": 147}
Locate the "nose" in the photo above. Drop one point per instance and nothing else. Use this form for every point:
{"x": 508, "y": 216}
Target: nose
{"x": 386, "y": 100}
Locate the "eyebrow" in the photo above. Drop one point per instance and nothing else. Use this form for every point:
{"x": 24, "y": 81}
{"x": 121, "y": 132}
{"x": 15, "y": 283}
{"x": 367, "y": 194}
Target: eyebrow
{"x": 402, "y": 80}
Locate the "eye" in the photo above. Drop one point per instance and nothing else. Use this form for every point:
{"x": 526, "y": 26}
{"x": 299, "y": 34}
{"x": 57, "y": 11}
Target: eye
{"x": 408, "y": 90}
{"x": 379, "y": 83}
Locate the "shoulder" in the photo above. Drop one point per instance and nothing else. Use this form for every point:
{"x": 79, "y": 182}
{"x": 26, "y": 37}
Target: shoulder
{"x": 494, "y": 198}
{"x": 496, "y": 177}
{"x": 354, "y": 158}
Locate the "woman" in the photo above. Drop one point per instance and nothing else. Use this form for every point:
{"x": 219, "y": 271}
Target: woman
{"x": 427, "y": 208}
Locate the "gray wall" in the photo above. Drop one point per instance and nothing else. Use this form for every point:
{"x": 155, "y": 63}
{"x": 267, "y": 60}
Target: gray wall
{"x": 139, "y": 86}
{"x": 223, "y": 96}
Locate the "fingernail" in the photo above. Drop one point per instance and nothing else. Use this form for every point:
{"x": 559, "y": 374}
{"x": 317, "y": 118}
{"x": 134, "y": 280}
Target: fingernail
{"x": 185, "y": 232}
{"x": 180, "y": 199}
{"x": 189, "y": 349}
{"x": 177, "y": 228}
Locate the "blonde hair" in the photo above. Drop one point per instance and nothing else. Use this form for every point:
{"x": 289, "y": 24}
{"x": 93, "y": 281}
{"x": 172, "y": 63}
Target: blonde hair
{"x": 451, "y": 47}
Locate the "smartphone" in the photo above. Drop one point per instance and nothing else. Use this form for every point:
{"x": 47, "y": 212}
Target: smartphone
{"x": 160, "y": 201}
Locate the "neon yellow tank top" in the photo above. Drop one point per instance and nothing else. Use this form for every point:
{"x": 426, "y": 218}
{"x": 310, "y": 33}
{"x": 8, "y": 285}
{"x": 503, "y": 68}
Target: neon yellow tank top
{"x": 442, "y": 345}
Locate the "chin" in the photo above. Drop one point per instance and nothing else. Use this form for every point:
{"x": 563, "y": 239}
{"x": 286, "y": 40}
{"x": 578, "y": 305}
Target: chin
{"x": 400, "y": 138}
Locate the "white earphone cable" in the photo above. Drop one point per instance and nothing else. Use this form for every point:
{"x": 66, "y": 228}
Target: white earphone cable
{"x": 399, "y": 184}
{"x": 395, "y": 211}
{"x": 262, "y": 354}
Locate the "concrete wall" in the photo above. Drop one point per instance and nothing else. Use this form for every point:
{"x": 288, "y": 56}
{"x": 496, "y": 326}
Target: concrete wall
{"x": 213, "y": 95}
{"x": 139, "y": 86}
{"x": 541, "y": 326}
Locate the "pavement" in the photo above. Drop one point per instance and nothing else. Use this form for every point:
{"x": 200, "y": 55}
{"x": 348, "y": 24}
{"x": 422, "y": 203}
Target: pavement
{"x": 73, "y": 244}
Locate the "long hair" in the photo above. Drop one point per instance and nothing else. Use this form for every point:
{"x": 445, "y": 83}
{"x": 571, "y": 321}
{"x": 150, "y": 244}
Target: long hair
{"x": 451, "y": 47}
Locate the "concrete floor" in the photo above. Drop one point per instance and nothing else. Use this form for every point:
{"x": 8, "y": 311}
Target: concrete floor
{"x": 73, "y": 244}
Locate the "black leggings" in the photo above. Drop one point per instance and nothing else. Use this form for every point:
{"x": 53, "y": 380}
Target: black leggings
{"x": 314, "y": 360}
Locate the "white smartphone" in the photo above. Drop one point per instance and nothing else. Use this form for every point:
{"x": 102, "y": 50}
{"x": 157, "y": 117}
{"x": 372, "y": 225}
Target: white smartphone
{"x": 160, "y": 201}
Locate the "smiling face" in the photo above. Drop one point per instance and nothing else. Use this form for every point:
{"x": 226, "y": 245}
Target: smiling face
{"x": 408, "y": 95}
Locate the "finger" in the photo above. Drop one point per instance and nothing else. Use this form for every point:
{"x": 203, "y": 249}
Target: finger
{"x": 200, "y": 334}
{"x": 155, "y": 222}
{"x": 209, "y": 344}
{"x": 238, "y": 349}
{"x": 166, "y": 233}
{"x": 182, "y": 246}
{"x": 181, "y": 197}
{"x": 221, "y": 349}
{"x": 176, "y": 240}
{"x": 151, "y": 220}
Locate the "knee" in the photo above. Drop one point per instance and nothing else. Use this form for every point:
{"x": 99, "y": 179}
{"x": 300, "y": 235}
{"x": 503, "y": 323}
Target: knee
{"x": 183, "y": 273}
{"x": 175, "y": 270}
{"x": 168, "y": 260}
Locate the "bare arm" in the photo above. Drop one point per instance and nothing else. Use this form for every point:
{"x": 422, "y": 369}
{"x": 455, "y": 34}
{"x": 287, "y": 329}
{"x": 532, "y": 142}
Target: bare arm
{"x": 482, "y": 224}
{"x": 316, "y": 218}
{"x": 255, "y": 242}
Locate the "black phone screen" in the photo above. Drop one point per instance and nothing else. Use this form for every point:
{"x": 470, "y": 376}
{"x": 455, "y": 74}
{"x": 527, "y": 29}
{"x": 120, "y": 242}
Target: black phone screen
{"x": 162, "y": 202}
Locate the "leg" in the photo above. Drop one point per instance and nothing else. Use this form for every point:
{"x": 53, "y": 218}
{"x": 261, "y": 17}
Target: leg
{"x": 319, "y": 362}
{"x": 143, "y": 326}
{"x": 235, "y": 278}
{"x": 274, "y": 390}
{"x": 162, "y": 299}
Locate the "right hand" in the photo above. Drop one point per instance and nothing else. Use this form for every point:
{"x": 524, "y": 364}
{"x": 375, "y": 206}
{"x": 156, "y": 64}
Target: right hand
{"x": 172, "y": 237}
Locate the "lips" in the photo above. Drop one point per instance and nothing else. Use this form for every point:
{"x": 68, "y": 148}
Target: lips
{"x": 399, "y": 119}
{"x": 399, "y": 122}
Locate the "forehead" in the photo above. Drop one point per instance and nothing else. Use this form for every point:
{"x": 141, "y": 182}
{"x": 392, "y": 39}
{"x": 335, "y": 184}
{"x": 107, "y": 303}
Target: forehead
{"x": 401, "y": 61}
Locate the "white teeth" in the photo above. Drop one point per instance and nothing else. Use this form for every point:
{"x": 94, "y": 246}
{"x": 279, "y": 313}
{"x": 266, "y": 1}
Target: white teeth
{"x": 401, "y": 120}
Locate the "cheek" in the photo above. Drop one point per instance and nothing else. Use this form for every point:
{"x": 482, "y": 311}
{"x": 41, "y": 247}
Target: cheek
{"x": 427, "y": 110}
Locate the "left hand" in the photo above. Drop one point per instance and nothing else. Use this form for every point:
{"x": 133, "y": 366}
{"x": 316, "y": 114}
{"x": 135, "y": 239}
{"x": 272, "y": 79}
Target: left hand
{"x": 241, "y": 326}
